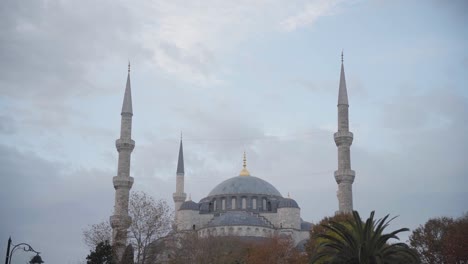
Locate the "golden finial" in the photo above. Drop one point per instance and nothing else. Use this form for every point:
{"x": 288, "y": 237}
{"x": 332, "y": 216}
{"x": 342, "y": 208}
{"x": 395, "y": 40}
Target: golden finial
{"x": 244, "y": 171}
{"x": 128, "y": 66}
{"x": 341, "y": 56}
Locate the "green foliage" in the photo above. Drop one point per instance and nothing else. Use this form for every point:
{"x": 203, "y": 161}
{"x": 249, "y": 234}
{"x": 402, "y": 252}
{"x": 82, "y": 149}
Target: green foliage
{"x": 362, "y": 243}
{"x": 103, "y": 254}
{"x": 317, "y": 229}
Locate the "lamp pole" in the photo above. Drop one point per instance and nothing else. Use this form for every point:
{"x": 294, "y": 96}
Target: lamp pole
{"x": 25, "y": 247}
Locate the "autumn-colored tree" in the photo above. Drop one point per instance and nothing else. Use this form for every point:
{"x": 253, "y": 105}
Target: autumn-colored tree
{"x": 442, "y": 240}
{"x": 455, "y": 242}
{"x": 319, "y": 229}
{"x": 190, "y": 248}
{"x": 279, "y": 250}
{"x": 427, "y": 240}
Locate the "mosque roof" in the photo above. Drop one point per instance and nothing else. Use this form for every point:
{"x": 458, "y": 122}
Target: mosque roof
{"x": 231, "y": 218}
{"x": 287, "y": 203}
{"x": 189, "y": 205}
{"x": 245, "y": 185}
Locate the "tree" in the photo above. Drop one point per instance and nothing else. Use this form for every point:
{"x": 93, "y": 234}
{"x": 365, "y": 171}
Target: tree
{"x": 188, "y": 247}
{"x": 97, "y": 233}
{"x": 455, "y": 242}
{"x": 102, "y": 254}
{"x": 279, "y": 250}
{"x": 442, "y": 240}
{"x": 363, "y": 243}
{"x": 151, "y": 219}
{"x": 311, "y": 246}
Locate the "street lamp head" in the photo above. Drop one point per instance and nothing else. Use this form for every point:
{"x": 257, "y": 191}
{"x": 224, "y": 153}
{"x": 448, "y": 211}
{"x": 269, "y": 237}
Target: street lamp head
{"x": 36, "y": 260}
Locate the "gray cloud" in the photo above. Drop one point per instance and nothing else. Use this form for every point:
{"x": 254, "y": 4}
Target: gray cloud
{"x": 46, "y": 205}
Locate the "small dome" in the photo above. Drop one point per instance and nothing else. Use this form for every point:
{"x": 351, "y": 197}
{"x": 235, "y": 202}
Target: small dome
{"x": 189, "y": 205}
{"x": 287, "y": 203}
{"x": 245, "y": 185}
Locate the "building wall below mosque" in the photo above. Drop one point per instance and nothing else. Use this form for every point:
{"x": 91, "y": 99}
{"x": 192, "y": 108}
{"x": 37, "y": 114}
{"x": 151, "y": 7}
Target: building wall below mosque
{"x": 272, "y": 218}
{"x": 286, "y": 222}
{"x": 289, "y": 218}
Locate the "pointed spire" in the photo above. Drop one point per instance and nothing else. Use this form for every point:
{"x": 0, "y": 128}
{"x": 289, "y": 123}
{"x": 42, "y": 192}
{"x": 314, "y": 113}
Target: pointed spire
{"x": 343, "y": 93}
{"x": 180, "y": 162}
{"x": 244, "y": 171}
{"x": 127, "y": 102}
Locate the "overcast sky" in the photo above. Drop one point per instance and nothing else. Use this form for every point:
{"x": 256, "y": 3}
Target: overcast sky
{"x": 254, "y": 75}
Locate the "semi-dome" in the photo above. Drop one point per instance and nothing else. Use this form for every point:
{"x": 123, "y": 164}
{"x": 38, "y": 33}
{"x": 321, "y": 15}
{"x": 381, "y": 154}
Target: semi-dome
{"x": 245, "y": 185}
{"x": 287, "y": 203}
{"x": 189, "y": 205}
{"x": 237, "y": 218}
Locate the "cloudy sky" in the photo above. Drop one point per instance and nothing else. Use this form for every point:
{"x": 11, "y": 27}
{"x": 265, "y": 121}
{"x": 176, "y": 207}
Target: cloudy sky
{"x": 254, "y": 75}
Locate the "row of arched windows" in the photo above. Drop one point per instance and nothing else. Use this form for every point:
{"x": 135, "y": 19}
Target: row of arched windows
{"x": 233, "y": 205}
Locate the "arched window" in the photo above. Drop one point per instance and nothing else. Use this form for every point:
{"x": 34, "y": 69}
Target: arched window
{"x": 215, "y": 206}
{"x": 233, "y": 203}
{"x": 264, "y": 204}
{"x": 193, "y": 227}
{"x": 254, "y": 203}
{"x": 244, "y": 203}
{"x": 223, "y": 204}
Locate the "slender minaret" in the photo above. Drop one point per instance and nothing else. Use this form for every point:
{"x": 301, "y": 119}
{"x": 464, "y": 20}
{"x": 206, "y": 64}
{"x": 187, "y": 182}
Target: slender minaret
{"x": 344, "y": 176}
{"x": 179, "y": 196}
{"x": 121, "y": 221}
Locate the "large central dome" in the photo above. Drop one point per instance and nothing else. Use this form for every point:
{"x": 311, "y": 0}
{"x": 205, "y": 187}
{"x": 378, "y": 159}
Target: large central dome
{"x": 245, "y": 185}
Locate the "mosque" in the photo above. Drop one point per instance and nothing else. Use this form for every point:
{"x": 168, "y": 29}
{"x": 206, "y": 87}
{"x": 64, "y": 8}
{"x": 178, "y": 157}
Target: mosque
{"x": 244, "y": 205}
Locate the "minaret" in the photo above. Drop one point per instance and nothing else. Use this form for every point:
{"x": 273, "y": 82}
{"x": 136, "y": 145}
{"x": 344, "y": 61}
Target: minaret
{"x": 179, "y": 196}
{"x": 344, "y": 176}
{"x": 121, "y": 221}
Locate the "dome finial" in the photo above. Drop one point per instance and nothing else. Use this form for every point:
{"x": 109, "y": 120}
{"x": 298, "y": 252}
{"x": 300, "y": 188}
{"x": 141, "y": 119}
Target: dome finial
{"x": 244, "y": 171}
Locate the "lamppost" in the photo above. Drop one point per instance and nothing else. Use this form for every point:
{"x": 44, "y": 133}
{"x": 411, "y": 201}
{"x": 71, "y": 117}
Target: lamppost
{"x": 25, "y": 247}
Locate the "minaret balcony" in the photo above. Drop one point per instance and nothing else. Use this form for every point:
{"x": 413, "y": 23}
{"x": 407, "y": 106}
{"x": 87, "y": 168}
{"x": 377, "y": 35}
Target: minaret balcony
{"x": 124, "y": 144}
{"x": 345, "y": 176}
{"x": 343, "y": 137}
{"x": 122, "y": 182}
{"x": 120, "y": 221}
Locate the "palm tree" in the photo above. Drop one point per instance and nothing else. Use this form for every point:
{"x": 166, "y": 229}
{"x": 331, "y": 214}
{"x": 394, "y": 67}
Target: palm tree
{"x": 363, "y": 243}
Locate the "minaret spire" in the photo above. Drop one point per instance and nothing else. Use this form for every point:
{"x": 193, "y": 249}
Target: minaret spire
{"x": 344, "y": 176}
{"x": 179, "y": 195}
{"x": 121, "y": 221}
{"x": 127, "y": 102}
{"x": 342, "y": 93}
